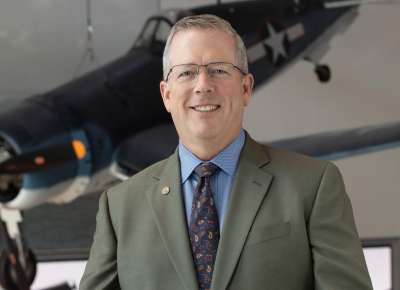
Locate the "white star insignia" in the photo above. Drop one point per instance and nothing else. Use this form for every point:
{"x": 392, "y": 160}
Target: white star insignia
{"x": 275, "y": 42}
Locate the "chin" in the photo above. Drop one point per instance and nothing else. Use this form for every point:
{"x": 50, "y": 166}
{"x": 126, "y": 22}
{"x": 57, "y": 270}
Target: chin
{"x": 206, "y": 133}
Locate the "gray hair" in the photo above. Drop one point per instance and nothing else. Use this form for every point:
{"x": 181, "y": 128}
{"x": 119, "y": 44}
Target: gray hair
{"x": 206, "y": 21}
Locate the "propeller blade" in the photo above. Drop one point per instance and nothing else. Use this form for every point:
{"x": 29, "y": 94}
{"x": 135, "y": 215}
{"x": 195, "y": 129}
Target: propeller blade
{"x": 44, "y": 158}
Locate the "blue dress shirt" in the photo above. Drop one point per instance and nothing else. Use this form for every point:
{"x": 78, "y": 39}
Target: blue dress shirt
{"x": 221, "y": 182}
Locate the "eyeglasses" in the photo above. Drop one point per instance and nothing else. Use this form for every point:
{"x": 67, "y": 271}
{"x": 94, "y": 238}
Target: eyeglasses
{"x": 215, "y": 70}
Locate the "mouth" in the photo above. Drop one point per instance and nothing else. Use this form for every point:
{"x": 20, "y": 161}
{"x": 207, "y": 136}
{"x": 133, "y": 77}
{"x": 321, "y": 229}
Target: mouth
{"x": 205, "y": 108}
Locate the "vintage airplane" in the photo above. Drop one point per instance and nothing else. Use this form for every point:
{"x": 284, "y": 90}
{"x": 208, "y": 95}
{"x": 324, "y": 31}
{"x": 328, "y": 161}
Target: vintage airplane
{"x": 105, "y": 126}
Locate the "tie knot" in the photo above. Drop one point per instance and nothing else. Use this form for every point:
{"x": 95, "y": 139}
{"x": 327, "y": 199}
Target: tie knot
{"x": 205, "y": 169}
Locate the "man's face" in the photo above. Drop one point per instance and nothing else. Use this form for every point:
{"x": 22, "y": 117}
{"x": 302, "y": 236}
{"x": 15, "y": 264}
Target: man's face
{"x": 206, "y": 109}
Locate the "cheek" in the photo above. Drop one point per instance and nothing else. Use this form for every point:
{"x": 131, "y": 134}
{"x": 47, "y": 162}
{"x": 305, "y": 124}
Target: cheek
{"x": 178, "y": 105}
{"x": 183, "y": 100}
{"x": 235, "y": 99}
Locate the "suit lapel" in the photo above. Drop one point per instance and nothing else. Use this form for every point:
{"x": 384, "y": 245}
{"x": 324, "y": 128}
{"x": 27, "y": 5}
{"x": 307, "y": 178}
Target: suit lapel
{"x": 249, "y": 190}
{"x": 168, "y": 210}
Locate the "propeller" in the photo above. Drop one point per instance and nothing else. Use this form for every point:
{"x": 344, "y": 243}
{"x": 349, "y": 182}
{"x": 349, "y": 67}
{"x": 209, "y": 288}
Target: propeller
{"x": 44, "y": 158}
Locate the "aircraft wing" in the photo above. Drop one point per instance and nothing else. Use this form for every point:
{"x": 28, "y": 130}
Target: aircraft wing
{"x": 345, "y": 143}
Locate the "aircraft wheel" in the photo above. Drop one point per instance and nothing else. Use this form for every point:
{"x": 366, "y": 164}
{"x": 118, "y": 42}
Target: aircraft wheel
{"x": 8, "y": 277}
{"x": 323, "y": 73}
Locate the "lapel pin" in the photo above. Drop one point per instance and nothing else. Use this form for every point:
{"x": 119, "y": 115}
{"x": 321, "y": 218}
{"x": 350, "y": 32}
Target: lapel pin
{"x": 165, "y": 190}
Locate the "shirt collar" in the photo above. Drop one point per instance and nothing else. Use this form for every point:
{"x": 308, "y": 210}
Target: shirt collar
{"x": 226, "y": 160}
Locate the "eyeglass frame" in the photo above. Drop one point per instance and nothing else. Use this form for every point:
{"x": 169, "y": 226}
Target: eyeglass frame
{"x": 205, "y": 66}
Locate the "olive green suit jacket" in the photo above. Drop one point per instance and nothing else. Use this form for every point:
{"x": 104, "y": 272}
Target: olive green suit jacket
{"x": 289, "y": 225}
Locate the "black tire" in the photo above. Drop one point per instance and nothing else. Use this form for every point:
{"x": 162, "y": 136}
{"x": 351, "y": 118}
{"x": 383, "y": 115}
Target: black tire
{"x": 323, "y": 73}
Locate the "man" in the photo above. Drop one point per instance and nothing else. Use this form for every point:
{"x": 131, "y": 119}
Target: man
{"x": 223, "y": 212}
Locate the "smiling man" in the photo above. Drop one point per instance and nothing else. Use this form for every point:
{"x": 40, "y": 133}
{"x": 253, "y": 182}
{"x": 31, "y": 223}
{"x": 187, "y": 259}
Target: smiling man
{"x": 223, "y": 212}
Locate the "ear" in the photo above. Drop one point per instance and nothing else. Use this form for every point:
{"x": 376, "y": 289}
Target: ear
{"x": 165, "y": 95}
{"x": 247, "y": 87}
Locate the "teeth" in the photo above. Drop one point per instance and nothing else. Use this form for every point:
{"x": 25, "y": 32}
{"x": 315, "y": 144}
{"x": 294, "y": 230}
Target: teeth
{"x": 207, "y": 108}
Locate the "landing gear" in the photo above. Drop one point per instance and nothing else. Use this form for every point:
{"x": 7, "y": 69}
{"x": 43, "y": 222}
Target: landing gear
{"x": 17, "y": 262}
{"x": 11, "y": 273}
{"x": 323, "y": 72}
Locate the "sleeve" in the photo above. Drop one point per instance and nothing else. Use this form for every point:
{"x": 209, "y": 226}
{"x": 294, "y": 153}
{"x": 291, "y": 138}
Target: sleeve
{"x": 339, "y": 262}
{"x": 101, "y": 270}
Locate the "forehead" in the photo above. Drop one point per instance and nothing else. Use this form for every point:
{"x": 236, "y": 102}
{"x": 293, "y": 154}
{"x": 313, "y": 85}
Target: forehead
{"x": 202, "y": 46}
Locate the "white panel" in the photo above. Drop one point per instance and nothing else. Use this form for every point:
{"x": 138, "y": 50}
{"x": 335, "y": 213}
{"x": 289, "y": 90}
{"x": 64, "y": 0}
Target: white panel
{"x": 379, "y": 263}
{"x": 55, "y": 273}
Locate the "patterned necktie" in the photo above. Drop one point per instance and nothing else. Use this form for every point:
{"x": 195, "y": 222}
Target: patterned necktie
{"x": 204, "y": 228}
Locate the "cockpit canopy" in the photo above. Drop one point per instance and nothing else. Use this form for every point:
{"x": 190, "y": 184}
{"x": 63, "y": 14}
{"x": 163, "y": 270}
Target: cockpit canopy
{"x": 155, "y": 31}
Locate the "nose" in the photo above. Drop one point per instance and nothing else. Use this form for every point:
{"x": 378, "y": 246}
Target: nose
{"x": 203, "y": 82}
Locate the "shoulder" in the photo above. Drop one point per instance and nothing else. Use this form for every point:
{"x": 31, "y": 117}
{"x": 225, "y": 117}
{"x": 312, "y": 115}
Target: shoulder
{"x": 126, "y": 202}
{"x": 303, "y": 174}
{"x": 278, "y": 159}
{"x": 296, "y": 169}
{"x": 282, "y": 158}
{"x": 138, "y": 183}
{"x": 301, "y": 178}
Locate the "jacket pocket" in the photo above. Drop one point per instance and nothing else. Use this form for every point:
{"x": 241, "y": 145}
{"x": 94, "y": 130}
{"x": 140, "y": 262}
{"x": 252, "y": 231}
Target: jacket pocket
{"x": 259, "y": 235}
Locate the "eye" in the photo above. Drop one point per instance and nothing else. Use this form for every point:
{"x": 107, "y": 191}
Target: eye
{"x": 186, "y": 74}
{"x": 218, "y": 72}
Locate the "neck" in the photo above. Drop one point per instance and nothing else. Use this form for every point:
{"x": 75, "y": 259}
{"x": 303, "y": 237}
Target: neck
{"x": 207, "y": 149}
